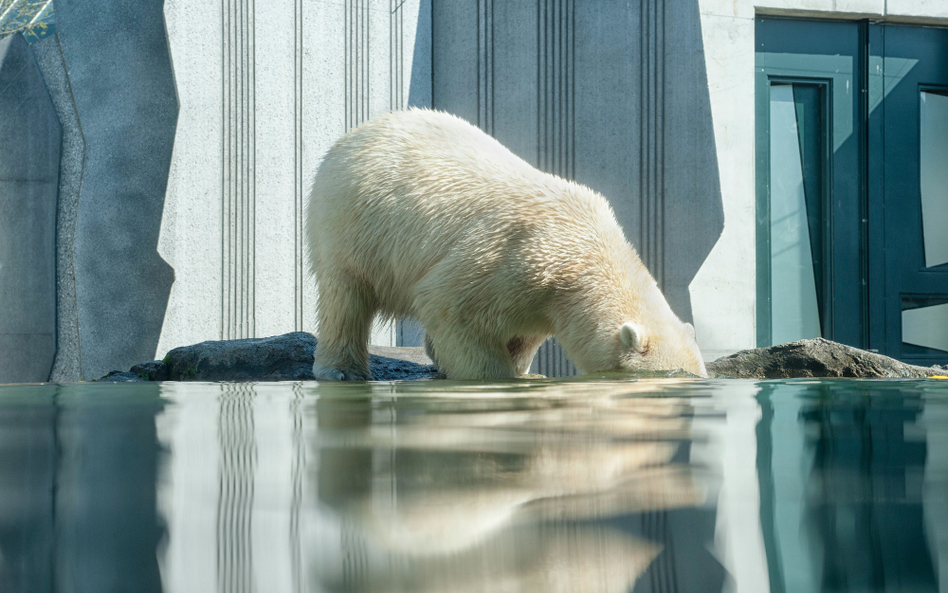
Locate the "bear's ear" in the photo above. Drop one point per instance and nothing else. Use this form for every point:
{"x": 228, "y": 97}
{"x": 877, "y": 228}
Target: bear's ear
{"x": 633, "y": 336}
{"x": 690, "y": 329}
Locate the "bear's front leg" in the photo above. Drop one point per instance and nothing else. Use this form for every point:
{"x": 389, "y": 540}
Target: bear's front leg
{"x": 346, "y": 310}
{"x": 341, "y": 360}
{"x": 340, "y": 372}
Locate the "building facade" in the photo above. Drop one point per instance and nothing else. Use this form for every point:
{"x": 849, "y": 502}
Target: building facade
{"x": 764, "y": 157}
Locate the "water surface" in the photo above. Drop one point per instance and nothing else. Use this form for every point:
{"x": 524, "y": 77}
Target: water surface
{"x": 658, "y": 485}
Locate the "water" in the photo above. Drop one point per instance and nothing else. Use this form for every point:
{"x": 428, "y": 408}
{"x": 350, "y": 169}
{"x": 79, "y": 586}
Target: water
{"x": 584, "y": 485}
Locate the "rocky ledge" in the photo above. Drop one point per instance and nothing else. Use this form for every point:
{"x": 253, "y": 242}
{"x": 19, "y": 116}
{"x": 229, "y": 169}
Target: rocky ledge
{"x": 815, "y": 358}
{"x": 280, "y": 358}
{"x": 290, "y": 358}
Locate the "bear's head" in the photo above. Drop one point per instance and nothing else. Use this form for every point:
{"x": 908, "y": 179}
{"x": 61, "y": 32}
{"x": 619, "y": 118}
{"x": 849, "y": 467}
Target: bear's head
{"x": 653, "y": 344}
{"x": 667, "y": 346}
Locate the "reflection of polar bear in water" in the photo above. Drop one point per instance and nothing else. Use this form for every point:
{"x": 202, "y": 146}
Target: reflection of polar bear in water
{"x": 418, "y": 214}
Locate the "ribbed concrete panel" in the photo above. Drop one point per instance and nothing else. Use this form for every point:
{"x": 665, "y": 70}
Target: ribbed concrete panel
{"x": 611, "y": 94}
{"x": 192, "y": 232}
{"x": 116, "y": 57}
{"x": 265, "y": 90}
{"x": 556, "y": 127}
{"x": 239, "y": 173}
{"x": 30, "y": 139}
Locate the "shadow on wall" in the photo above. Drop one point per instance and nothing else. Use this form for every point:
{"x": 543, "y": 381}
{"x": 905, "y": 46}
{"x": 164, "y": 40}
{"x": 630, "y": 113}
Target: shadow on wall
{"x": 117, "y": 60}
{"x": 693, "y": 212}
{"x": 612, "y": 94}
{"x": 419, "y": 89}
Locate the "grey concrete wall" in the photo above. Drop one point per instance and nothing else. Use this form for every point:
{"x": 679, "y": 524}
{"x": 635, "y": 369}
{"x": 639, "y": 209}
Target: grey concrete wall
{"x": 116, "y": 57}
{"x": 30, "y": 137}
{"x": 611, "y": 94}
{"x": 181, "y": 226}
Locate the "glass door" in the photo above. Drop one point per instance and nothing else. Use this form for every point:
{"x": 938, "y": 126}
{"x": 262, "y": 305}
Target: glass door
{"x": 852, "y": 185}
{"x": 810, "y": 255}
{"x": 909, "y": 128}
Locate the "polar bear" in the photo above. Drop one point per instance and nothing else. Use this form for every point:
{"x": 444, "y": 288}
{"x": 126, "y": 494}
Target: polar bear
{"x": 418, "y": 214}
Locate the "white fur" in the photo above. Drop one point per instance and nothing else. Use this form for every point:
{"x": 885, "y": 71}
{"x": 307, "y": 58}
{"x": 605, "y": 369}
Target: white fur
{"x": 418, "y": 214}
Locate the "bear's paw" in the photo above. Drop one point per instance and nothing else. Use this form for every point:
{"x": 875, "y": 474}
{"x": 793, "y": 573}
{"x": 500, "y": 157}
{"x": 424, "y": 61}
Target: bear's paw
{"x": 331, "y": 374}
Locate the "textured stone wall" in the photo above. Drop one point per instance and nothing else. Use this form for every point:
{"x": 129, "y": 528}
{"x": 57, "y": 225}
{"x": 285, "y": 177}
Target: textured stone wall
{"x": 116, "y": 57}
{"x": 50, "y": 59}
{"x": 30, "y": 136}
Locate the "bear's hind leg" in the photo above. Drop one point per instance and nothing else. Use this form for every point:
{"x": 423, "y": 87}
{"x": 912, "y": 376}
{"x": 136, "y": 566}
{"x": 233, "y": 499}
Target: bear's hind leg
{"x": 460, "y": 357}
{"x": 522, "y": 350}
{"x": 429, "y": 349}
{"x": 346, "y": 311}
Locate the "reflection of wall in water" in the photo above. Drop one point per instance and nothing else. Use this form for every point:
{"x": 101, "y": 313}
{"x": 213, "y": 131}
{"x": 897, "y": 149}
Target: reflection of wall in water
{"x": 233, "y": 501}
{"x": 78, "y": 468}
{"x": 29, "y": 443}
{"x": 854, "y": 519}
{"x": 235, "y": 497}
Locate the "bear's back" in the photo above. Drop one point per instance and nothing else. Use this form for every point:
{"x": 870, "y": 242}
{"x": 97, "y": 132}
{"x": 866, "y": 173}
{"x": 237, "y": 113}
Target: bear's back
{"x": 401, "y": 193}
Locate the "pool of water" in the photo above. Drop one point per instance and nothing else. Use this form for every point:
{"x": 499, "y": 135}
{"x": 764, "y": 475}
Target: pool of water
{"x": 659, "y": 485}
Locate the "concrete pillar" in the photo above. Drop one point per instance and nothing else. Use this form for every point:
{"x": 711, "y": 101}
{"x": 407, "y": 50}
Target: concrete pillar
{"x": 116, "y": 56}
{"x": 30, "y": 137}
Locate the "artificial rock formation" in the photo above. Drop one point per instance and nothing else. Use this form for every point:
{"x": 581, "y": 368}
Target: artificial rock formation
{"x": 815, "y": 358}
{"x": 288, "y": 357}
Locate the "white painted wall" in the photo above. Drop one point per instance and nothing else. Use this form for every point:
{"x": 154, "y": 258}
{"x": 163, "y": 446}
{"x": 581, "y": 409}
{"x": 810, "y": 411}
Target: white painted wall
{"x": 304, "y": 77}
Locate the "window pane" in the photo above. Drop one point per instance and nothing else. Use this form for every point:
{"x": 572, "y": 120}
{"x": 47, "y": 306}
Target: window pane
{"x": 934, "y": 176}
{"x": 794, "y": 295}
{"x": 925, "y": 323}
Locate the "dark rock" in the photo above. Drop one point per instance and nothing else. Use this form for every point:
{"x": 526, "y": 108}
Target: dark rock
{"x": 288, "y": 357}
{"x": 280, "y": 358}
{"x": 120, "y": 377}
{"x": 814, "y": 358}
{"x": 155, "y": 370}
